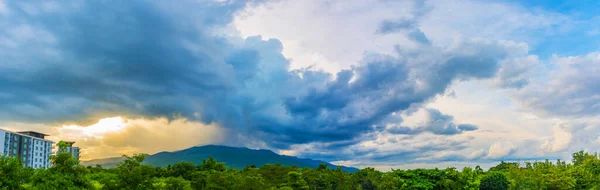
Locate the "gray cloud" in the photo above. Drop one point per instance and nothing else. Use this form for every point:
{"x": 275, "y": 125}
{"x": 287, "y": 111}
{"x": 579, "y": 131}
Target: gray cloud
{"x": 407, "y": 24}
{"x": 418, "y": 36}
{"x": 84, "y": 61}
{"x": 388, "y": 26}
{"x": 516, "y": 73}
{"x": 397, "y": 149}
{"x": 436, "y": 123}
{"x": 129, "y": 59}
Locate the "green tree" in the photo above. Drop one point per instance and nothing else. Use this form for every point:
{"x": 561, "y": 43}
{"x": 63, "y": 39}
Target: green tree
{"x": 586, "y": 170}
{"x": 131, "y": 173}
{"x": 177, "y": 183}
{"x": 275, "y": 175}
{"x": 199, "y": 179}
{"x": 419, "y": 178}
{"x": 134, "y": 174}
{"x": 62, "y": 146}
{"x": 390, "y": 181}
{"x": 248, "y": 182}
{"x": 494, "y": 181}
{"x": 469, "y": 179}
{"x": 64, "y": 174}
{"x": 503, "y": 166}
{"x": 106, "y": 180}
{"x": 340, "y": 179}
{"x": 222, "y": 180}
{"x": 295, "y": 181}
{"x": 212, "y": 165}
{"x": 12, "y": 174}
{"x": 367, "y": 178}
{"x": 318, "y": 178}
{"x": 182, "y": 169}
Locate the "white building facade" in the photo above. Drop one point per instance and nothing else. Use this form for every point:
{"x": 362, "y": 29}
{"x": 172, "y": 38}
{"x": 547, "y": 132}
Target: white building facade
{"x": 28, "y": 146}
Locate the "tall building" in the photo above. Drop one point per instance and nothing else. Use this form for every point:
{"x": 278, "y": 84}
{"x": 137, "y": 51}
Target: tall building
{"x": 72, "y": 149}
{"x": 29, "y": 146}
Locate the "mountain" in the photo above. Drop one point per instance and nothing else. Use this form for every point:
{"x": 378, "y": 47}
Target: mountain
{"x": 233, "y": 157}
{"x": 104, "y": 162}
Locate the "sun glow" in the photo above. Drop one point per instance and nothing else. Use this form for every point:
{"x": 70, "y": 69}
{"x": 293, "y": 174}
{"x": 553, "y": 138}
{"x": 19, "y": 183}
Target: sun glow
{"x": 99, "y": 129}
{"x": 115, "y": 136}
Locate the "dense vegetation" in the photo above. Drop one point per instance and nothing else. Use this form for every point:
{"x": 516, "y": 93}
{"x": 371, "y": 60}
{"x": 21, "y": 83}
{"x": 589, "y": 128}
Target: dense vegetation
{"x": 582, "y": 173}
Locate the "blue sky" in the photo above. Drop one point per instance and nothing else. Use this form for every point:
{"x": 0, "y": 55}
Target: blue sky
{"x": 580, "y": 38}
{"x": 389, "y": 84}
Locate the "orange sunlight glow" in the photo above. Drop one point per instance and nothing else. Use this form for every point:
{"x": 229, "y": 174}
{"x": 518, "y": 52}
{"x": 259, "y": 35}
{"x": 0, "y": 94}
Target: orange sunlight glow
{"x": 103, "y": 126}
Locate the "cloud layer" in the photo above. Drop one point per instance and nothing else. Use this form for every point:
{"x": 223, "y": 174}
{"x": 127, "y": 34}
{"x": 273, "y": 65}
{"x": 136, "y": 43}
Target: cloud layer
{"x": 178, "y": 68}
{"x": 151, "y": 65}
{"x": 436, "y": 123}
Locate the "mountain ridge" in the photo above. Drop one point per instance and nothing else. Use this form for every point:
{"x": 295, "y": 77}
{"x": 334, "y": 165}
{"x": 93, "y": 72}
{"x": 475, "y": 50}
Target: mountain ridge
{"x": 234, "y": 157}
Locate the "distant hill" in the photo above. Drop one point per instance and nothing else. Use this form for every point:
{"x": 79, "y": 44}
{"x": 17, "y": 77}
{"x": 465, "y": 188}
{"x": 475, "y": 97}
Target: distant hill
{"x": 233, "y": 157}
{"x": 104, "y": 162}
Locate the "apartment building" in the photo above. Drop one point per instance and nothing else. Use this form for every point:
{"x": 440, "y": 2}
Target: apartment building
{"x": 72, "y": 149}
{"x": 29, "y": 146}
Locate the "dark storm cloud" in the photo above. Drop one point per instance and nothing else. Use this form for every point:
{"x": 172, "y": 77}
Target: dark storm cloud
{"x": 89, "y": 60}
{"x": 384, "y": 85}
{"x": 116, "y": 57}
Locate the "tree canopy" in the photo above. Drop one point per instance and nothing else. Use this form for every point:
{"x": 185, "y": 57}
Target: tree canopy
{"x": 132, "y": 173}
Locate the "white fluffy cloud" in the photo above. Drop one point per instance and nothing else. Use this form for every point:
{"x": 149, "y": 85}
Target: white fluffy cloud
{"x": 3, "y": 9}
{"x": 337, "y": 33}
{"x": 560, "y": 140}
{"x": 568, "y": 89}
{"x": 501, "y": 149}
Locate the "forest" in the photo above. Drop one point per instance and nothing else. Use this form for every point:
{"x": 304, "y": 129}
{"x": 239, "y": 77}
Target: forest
{"x": 582, "y": 173}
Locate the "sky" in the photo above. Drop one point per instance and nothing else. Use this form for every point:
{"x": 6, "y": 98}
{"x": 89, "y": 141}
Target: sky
{"x": 379, "y": 83}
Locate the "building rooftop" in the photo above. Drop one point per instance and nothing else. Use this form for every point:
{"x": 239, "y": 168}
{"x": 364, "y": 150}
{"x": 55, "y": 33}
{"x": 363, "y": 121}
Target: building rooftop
{"x": 34, "y": 132}
{"x": 28, "y": 135}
